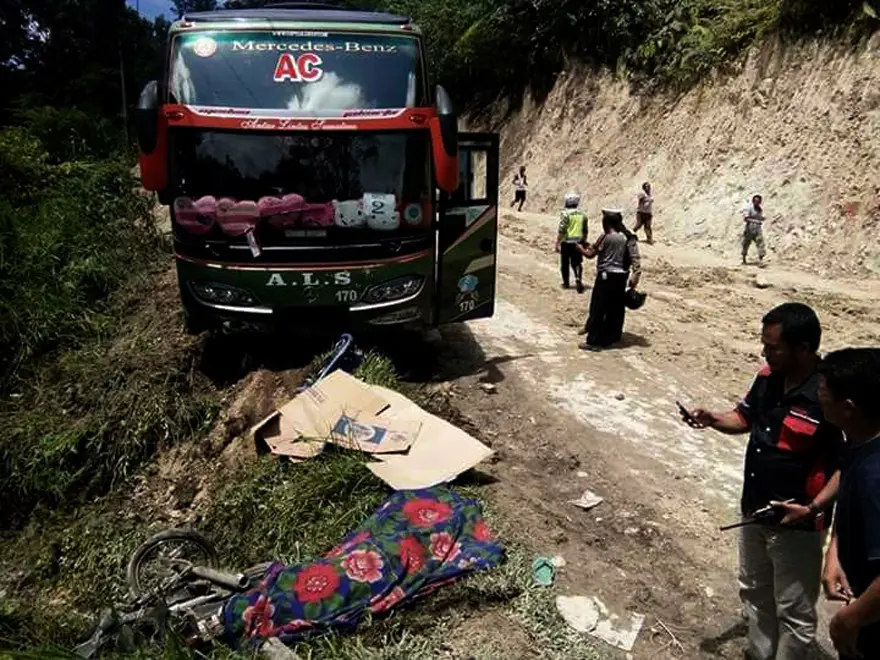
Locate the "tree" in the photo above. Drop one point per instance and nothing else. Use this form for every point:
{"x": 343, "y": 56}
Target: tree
{"x": 182, "y": 7}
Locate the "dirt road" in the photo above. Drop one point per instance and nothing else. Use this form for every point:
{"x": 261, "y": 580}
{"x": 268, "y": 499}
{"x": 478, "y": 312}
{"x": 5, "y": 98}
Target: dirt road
{"x": 565, "y": 420}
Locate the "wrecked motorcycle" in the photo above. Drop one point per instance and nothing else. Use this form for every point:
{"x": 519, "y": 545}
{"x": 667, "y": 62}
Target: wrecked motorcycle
{"x": 175, "y": 587}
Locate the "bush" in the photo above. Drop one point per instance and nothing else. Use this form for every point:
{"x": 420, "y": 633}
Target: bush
{"x": 70, "y": 235}
{"x": 69, "y": 134}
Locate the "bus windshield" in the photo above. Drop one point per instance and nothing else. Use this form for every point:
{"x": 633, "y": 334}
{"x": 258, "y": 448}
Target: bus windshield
{"x": 301, "y": 73}
{"x": 318, "y": 168}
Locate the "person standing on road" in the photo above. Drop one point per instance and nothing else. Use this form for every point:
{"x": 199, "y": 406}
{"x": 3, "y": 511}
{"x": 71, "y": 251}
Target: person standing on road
{"x": 520, "y": 184}
{"x": 849, "y": 391}
{"x": 572, "y": 233}
{"x": 617, "y": 251}
{"x": 754, "y": 229}
{"x": 790, "y": 457}
{"x": 645, "y": 213}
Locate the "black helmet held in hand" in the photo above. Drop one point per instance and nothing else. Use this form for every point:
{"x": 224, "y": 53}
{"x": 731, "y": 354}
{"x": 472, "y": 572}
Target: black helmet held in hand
{"x": 634, "y": 299}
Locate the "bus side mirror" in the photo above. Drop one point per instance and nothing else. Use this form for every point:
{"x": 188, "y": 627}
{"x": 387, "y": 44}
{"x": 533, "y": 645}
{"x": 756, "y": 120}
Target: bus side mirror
{"x": 147, "y": 117}
{"x": 444, "y": 139}
{"x": 151, "y": 137}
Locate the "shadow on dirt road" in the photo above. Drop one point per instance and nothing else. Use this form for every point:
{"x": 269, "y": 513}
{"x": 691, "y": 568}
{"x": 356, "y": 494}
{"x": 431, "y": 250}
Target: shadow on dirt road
{"x": 417, "y": 358}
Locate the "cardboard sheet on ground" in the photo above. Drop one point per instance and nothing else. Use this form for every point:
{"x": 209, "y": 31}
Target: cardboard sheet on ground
{"x": 325, "y": 413}
{"x": 346, "y": 411}
{"x": 439, "y": 454}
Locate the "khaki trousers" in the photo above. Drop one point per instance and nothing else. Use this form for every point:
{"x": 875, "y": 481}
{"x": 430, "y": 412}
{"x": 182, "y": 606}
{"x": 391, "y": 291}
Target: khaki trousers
{"x": 779, "y": 582}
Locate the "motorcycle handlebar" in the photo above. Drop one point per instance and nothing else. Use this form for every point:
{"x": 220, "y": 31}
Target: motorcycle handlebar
{"x": 233, "y": 582}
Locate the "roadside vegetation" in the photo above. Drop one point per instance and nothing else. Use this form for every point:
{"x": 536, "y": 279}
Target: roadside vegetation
{"x": 491, "y": 49}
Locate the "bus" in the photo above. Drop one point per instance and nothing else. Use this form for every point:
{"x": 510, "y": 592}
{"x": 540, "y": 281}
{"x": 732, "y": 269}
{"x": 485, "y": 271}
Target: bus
{"x": 313, "y": 175}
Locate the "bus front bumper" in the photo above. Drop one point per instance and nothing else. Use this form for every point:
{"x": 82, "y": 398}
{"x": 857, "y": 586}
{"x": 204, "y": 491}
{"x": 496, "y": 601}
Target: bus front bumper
{"x": 414, "y": 311}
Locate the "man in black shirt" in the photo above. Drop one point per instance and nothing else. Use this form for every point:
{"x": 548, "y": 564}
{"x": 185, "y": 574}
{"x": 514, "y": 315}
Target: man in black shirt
{"x": 849, "y": 391}
{"x": 790, "y": 463}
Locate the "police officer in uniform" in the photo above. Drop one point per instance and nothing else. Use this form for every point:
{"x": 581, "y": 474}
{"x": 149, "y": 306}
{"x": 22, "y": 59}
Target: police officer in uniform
{"x": 572, "y": 232}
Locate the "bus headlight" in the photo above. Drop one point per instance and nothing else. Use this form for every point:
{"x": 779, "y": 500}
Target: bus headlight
{"x": 396, "y": 289}
{"x": 222, "y": 294}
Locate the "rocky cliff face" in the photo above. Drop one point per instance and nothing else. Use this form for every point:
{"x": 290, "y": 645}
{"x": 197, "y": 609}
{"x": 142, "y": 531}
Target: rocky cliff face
{"x": 798, "y": 123}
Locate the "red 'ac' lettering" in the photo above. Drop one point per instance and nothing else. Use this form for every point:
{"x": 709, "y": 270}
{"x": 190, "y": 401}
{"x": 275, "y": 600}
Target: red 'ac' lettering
{"x": 305, "y": 68}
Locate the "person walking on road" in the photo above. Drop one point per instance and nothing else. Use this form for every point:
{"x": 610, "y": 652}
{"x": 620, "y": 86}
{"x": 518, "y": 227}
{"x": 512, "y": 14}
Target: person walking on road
{"x": 754, "y": 229}
{"x": 572, "y": 233}
{"x": 520, "y": 184}
{"x": 849, "y": 391}
{"x": 790, "y": 464}
{"x": 617, "y": 252}
{"x": 645, "y": 213}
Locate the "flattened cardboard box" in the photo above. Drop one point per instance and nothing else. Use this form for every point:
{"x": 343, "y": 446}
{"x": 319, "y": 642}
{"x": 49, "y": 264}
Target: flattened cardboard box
{"x": 440, "y": 453}
{"x": 339, "y": 409}
{"x": 374, "y": 434}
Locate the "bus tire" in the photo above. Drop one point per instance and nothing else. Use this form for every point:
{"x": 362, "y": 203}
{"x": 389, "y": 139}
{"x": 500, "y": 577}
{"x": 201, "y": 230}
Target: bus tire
{"x": 192, "y": 325}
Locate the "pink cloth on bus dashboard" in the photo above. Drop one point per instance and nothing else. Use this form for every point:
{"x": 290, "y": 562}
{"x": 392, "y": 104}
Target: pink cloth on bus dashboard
{"x": 197, "y": 217}
{"x": 318, "y": 215}
{"x": 237, "y": 218}
{"x": 281, "y": 212}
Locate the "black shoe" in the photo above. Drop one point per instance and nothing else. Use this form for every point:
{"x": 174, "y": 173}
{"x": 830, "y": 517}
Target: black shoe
{"x": 566, "y": 285}
{"x": 580, "y": 287}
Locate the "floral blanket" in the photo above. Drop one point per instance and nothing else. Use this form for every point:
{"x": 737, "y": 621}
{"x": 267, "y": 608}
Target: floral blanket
{"x": 416, "y": 542}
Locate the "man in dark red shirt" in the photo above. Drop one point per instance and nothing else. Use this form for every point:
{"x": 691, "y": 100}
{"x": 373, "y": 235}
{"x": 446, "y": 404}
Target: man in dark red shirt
{"x": 790, "y": 462}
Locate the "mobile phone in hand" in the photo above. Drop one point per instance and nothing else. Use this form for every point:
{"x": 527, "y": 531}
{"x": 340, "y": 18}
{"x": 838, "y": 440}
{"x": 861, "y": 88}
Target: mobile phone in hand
{"x": 686, "y": 414}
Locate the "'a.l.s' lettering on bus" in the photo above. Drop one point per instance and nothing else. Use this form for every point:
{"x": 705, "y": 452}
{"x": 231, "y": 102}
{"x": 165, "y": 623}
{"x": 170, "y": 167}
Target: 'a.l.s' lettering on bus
{"x": 304, "y": 68}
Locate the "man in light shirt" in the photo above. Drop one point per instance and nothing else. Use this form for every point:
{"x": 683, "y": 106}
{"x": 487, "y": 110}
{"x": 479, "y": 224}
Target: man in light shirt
{"x": 520, "y": 184}
{"x": 754, "y": 229}
{"x": 645, "y": 212}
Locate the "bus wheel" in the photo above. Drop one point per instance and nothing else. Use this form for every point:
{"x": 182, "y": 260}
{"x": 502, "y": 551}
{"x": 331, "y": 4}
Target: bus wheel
{"x": 192, "y": 325}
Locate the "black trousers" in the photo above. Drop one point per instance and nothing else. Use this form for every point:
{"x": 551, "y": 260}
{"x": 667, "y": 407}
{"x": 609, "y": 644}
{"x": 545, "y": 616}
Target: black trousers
{"x": 607, "y": 310}
{"x": 573, "y": 259}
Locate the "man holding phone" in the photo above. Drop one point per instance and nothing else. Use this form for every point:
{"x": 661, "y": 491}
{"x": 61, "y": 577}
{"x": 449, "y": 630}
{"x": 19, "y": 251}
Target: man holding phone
{"x": 790, "y": 462}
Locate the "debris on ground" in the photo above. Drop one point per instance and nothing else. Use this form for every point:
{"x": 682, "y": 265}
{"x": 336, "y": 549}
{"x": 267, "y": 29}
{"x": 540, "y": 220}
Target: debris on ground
{"x": 587, "y": 500}
{"x": 761, "y": 281}
{"x": 488, "y": 388}
{"x": 672, "y": 644}
{"x": 274, "y": 649}
{"x": 543, "y": 571}
{"x": 579, "y": 612}
{"x": 558, "y": 561}
{"x": 588, "y": 614}
{"x": 415, "y": 449}
{"x": 620, "y": 396}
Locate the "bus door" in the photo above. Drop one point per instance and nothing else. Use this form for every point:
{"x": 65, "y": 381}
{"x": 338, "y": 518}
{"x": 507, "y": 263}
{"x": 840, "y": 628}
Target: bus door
{"x": 467, "y": 237}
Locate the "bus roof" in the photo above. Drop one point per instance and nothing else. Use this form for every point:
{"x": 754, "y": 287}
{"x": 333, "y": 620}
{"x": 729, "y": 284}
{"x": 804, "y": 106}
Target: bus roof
{"x": 296, "y": 13}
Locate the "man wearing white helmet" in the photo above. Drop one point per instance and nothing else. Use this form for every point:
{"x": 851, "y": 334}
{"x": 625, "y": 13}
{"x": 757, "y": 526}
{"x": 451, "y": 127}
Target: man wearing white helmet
{"x": 572, "y": 232}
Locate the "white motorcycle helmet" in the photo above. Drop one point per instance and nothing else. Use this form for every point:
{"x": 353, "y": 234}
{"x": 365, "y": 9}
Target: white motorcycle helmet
{"x": 572, "y": 200}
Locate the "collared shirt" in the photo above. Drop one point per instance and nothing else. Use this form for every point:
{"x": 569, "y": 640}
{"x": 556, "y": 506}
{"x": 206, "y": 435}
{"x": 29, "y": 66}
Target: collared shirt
{"x": 792, "y": 450}
{"x": 618, "y": 254}
{"x": 857, "y": 522}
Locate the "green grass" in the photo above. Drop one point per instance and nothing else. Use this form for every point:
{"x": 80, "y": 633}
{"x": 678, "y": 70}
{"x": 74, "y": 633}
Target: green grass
{"x": 90, "y": 420}
{"x": 70, "y": 565}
